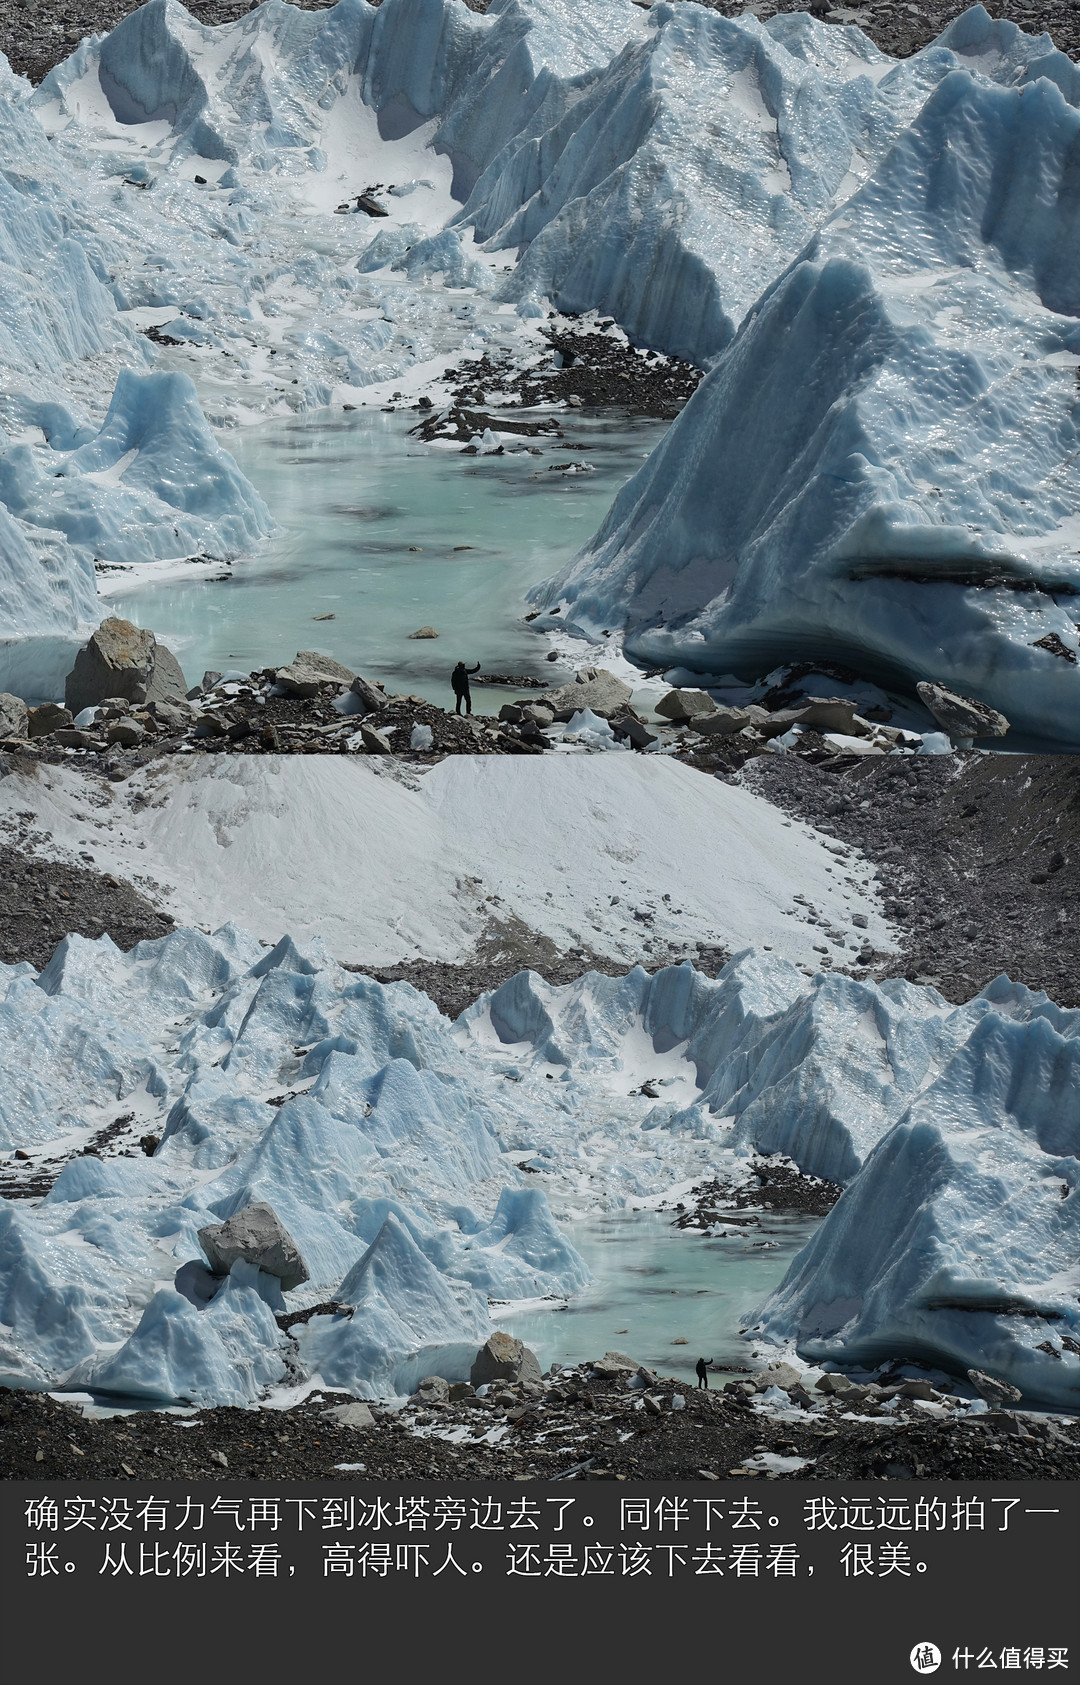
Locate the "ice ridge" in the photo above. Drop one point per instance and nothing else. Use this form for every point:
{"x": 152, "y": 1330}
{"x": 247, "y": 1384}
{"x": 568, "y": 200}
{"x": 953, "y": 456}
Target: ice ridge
{"x": 421, "y": 1166}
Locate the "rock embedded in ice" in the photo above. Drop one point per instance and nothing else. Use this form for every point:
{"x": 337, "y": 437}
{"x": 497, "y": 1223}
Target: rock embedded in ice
{"x": 504, "y": 1358}
{"x": 962, "y": 716}
{"x": 257, "y": 1235}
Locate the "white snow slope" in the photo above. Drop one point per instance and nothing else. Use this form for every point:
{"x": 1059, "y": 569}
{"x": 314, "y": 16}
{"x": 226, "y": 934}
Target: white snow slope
{"x": 613, "y": 853}
{"x": 666, "y": 166}
{"x": 388, "y": 1142}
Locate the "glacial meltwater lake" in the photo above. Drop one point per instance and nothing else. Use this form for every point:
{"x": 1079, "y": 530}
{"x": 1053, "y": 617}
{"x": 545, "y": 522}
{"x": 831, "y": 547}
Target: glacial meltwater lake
{"x": 653, "y": 1284}
{"x": 388, "y": 534}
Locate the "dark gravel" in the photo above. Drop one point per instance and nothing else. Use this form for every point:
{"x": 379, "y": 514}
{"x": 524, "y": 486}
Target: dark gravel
{"x": 569, "y": 1426}
{"x": 770, "y": 1186}
{"x": 978, "y": 855}
{"x": 589, "y": 367}
{"x": 509, "y": 946}
{"x": 42, "y": 901}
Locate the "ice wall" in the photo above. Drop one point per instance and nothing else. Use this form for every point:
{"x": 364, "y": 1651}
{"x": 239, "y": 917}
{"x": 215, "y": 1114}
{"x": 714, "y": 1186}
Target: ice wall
{"x": 391, "y": 1144}
{"x": 695, "y": 168}
{"x": 840, "y": 485}
{"x": 668, "y": 166}
{"x": 956, "y": 1243}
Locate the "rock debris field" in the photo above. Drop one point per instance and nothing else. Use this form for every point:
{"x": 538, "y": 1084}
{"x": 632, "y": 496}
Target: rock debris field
{"x": 584, "y": 1423}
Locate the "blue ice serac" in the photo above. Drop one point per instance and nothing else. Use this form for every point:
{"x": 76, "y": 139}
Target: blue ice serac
{"x": 389, "y": 1143}
{"x": 874, "y": 259}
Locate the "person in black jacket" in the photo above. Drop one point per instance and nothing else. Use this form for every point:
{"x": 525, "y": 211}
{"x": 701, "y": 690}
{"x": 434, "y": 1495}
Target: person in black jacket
{"x": 702, "y": 1370}
{"x": 459, "y": 678}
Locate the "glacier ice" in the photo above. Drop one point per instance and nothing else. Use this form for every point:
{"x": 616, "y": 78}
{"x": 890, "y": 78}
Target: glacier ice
{"x": 152, "y": 483}
{"x": 390, "y": 1142}
{"x": 837, "y": 485}
{"x": 956, "y": 1242}
{"x": 699, "y": 177}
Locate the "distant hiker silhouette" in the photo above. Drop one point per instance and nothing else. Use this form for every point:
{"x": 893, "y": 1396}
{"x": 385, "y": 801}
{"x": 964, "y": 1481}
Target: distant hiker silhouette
{"x": 459, "y": 678}
{"x": 703, "y": 1373}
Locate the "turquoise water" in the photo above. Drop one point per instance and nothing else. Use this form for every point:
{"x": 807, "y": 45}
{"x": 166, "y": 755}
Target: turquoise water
{"x": 653, "y": 1284}
{"x": 388, "y": 535}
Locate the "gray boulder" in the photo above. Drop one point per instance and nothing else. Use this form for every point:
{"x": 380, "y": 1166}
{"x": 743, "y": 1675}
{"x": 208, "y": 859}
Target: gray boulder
{"x": 375, "y": 742}
{"x": 538, "y": 713}
{"x": 685, "y": 704}
{"x": 122, "y": 660}
{"x": 961, "y": 716}
{"x": 628, "y": 725}
{"x": 309, "y": 671}
{"x": 355, "y": 1415}
{"x": 722, "y": 722}
{"x": 781, "y": 1375}
{"x": 775, "y": 725}
{"x": 14, "y": 715}
{"x": 49, "y": 717}
{"x": 173, "y": 716}
{"x": 433, "y": 1389}
{"x": 370, "y": 698}
{"x": 593, "y": 688}
{"x": 993, "y": 1390}
{"x": 503, "y": 1358}
{"x": 833, "y": 713}
{"x": 167, "y": 681}
{"x": 613, "y": 1365}
{"x": 125, "y": 733}
{"x": 72, "y": 737}
{"x": 424, "y": 632}
{"x": 257, "y": 1235}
